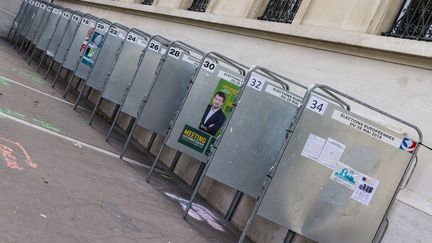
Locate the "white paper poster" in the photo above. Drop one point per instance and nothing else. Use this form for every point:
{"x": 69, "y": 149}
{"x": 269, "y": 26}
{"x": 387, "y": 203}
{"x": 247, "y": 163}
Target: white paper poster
{"x": 313, "y": 147}
{"x": 345, "y": 175}
{"x": 365, "y": 190}
{"x": 331, "y": 153}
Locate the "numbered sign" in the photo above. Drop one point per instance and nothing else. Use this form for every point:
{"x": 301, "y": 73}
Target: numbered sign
{"x": 175, "y": 52}
{"x": 154, "y": 46}
{"x": 132, "y": 38}
{"x": 317, "y": 105}
{"x": 257, "y": 82}
{"x": 209, "y": 65}
{"x": 42, "y": 6}
{"x": 76, "y": 18}
{"x": 37, "y": 4}
{"x": 113, "y": 31}
{"x": 85, "y": 21}
{"x": 66, "y": 15}
{"x": 31, "y": 2}
{"x": 55, "y": 11}
{"x": 101, "y": 27}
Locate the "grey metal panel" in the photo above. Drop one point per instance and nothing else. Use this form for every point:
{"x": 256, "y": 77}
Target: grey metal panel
{"x": 79, "y": 42}
{"x": 20, "y": 14}
{"x": 142, "y": 82}
{"x": 68, "y": 37}
{"x": 195, "y": 105}
{"x": 167, "y": 94}
{"x": 48, "y": 31}
{"x": 29, "y": 16}
{"x": 125, "y": 67}
{"x": 253, "y": 138}
{"x": 303, "y": 198}
{"x": 36, "y": 20}
{"x": 58, "y": 33}
{"x": 93, "y": 48}
{"x": 106, "y": 58}
{"x": 44, "y": 22}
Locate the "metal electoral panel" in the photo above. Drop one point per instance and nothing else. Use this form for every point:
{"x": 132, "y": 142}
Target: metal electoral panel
{"x": 80, "y": 42}
{"x": 93, "y": 48}
{"x": 337, "y": 175}
{"x": 25, "y": 15}
{"x": 20, "y": 14}
{"x": 191, "y": 132}
{"x": 43, "y": 26}
{"x": 51, "y": 26}
{"x": 36, "y": 20}
{"x": 59, "y": 33}
{"x": 144, "y": 76}
{"x": 168, "y": 91}
{"x": 255, "y": 133}
{"x": 29, "y": 15}
{"x": 68, "y": 37}
{"x": 106, "y": 59}
{"x": 125, "y": 67}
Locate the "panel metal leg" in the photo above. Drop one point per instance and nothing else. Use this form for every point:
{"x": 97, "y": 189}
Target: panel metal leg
{"x": 28, "y": 50}
{"x": 175, "y": 160}
{"x": 129, "y": 138}
{"x": 56, "y": 77}
{"x": 32, "y": 55}
{"x": 156, "y": 160}
{"x": 95, "y": 109}
{"x": 9, "y": 34}
{"x": 21, "y": 46}
{"x": 79, "y": 98}
{"x": 117, "y": 114}
{"x": 11, "y": 41}
{"x": 49, "y": 68}
{"x": 195, "y": 191}
{"x": 40, "y": 63}
{"x": 290, "y": 237}
{"x": 233, "y": 206}
{"x": 68, "y": 86}
{"x": 78, "y": 84}
{"x": 151, "y": 141}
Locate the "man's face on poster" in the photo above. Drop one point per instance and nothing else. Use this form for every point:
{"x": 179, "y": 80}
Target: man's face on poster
{"x": 217, "y": 101}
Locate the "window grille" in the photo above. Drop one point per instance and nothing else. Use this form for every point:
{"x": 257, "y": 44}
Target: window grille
{"x": 147, "y": 2}
{"x": 281, "y": 10}
{"x": 414, "y": 21}
{"x": 199, "y": 5}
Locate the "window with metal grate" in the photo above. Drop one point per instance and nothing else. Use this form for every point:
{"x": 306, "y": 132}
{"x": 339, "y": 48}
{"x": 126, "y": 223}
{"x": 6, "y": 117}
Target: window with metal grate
{"x": 281, "y": 10}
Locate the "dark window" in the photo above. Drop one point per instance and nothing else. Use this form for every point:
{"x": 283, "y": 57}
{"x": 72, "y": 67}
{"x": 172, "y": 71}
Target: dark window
{"x": 281, "y": 10}
{"x": 414, "y": 21}
{"x": 147, "y": 2}
{"x": 199, "y": 5}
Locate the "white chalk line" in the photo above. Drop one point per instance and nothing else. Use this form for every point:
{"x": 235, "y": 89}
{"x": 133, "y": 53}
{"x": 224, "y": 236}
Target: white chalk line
{"x": 43, "y": 93}
{"x": 74, "y": 141}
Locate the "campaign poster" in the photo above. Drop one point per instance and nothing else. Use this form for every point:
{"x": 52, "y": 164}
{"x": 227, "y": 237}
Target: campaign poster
{"x": 94, "y": 44}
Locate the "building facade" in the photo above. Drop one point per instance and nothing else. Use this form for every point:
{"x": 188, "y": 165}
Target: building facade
{"x": 375, "y": 50}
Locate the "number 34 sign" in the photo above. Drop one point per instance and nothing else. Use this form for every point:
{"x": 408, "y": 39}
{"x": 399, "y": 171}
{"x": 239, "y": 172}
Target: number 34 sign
{"x": 318, "y": 105}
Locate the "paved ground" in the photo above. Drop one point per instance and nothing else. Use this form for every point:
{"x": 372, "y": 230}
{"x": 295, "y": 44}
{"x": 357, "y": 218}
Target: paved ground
{"x": 61, "y": 182}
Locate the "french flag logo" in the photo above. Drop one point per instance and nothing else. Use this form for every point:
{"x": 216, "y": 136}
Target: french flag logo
{"x": 408, "y": 145}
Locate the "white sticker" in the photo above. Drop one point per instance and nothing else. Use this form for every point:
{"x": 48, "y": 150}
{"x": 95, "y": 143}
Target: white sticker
{"x": 331, "y": 153}
{"x": 50, "y": 9}
{"x": 132, "y": 38}
{"x": 365, "y": 190}
{"x": 209, "y": 65}
{"x": 31, "y": 2}
{"x": 55, "y": 11}
{"x": 154, "y": 46}
{"x": 142, "y": 42}
{"x": 37, "y": 4}
{"x": 113, "y": 31}
{"x": 313, "y": 147}
{"x": 363, "y": 127}
{"x": 316, "y": 104}
{"x": 76, "y": 18}
{"x": 163, "y": 51}
{"x": 85, "y": 21}
{"x": 256, "y": 82}
{"x": 192, "y": 60}
{"x": 284, "y": 95}
{"x": 231, "y": 78}
{"x": 345, "y": 175}
{"x": 122, "y": 35}
{"x": 66, "y": 15}
{"x": 175, "y": 52}
{"x": 26, "y": 1}
{"x": 101, "y": 26}
{"x": 42, "y": 6}
{"x": 92, "y": 24}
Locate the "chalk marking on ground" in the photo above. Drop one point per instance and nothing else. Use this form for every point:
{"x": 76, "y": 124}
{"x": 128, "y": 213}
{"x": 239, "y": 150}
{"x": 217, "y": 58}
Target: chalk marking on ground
{"x": 84, "y": 144}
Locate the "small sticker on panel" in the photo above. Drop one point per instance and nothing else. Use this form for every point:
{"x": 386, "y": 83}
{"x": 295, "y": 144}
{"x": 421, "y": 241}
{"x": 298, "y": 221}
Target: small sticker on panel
{"x": 163, "y": 51}
{"x": 317, "y": 105}
{"x": 313, "y": 147}
{"x": 231, "y": 78}
{"x": 192, "y": 60}
{"x": 142, "y": 42}
{"x": 284, "y": 95}
{"x": 121, "y": 35}
{"x": 331, "y": 152}
{"x": 209, "y": 65}
{"x": 365, "y": 190}
{"x": 345, "y": 175}
{"x": 256, "y": 82}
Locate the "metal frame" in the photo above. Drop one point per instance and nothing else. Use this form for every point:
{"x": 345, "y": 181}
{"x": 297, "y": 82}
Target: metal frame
{"x": 184, "y": 47}
{"x": 100, "y": 99}
{"x": 25, "y": 23}
{"x": 165, "y": 42}
{"x": 17, "y": 19}
{"x": 407, "y": 174}
{"x": 117, "y": 25}
{"x": 36, "y": 21}
{"x": 69, "y": 84}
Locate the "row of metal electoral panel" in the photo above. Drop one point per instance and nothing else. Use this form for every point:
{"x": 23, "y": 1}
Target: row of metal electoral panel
{"x": 312, "y": 164}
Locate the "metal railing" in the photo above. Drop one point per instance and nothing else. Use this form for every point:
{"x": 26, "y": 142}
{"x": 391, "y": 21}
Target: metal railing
{"x": 199, "y": 5}
{"x": 414, "y": 21}
{"x": 281, "y": 10}
{"x": 147, "y": 2}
